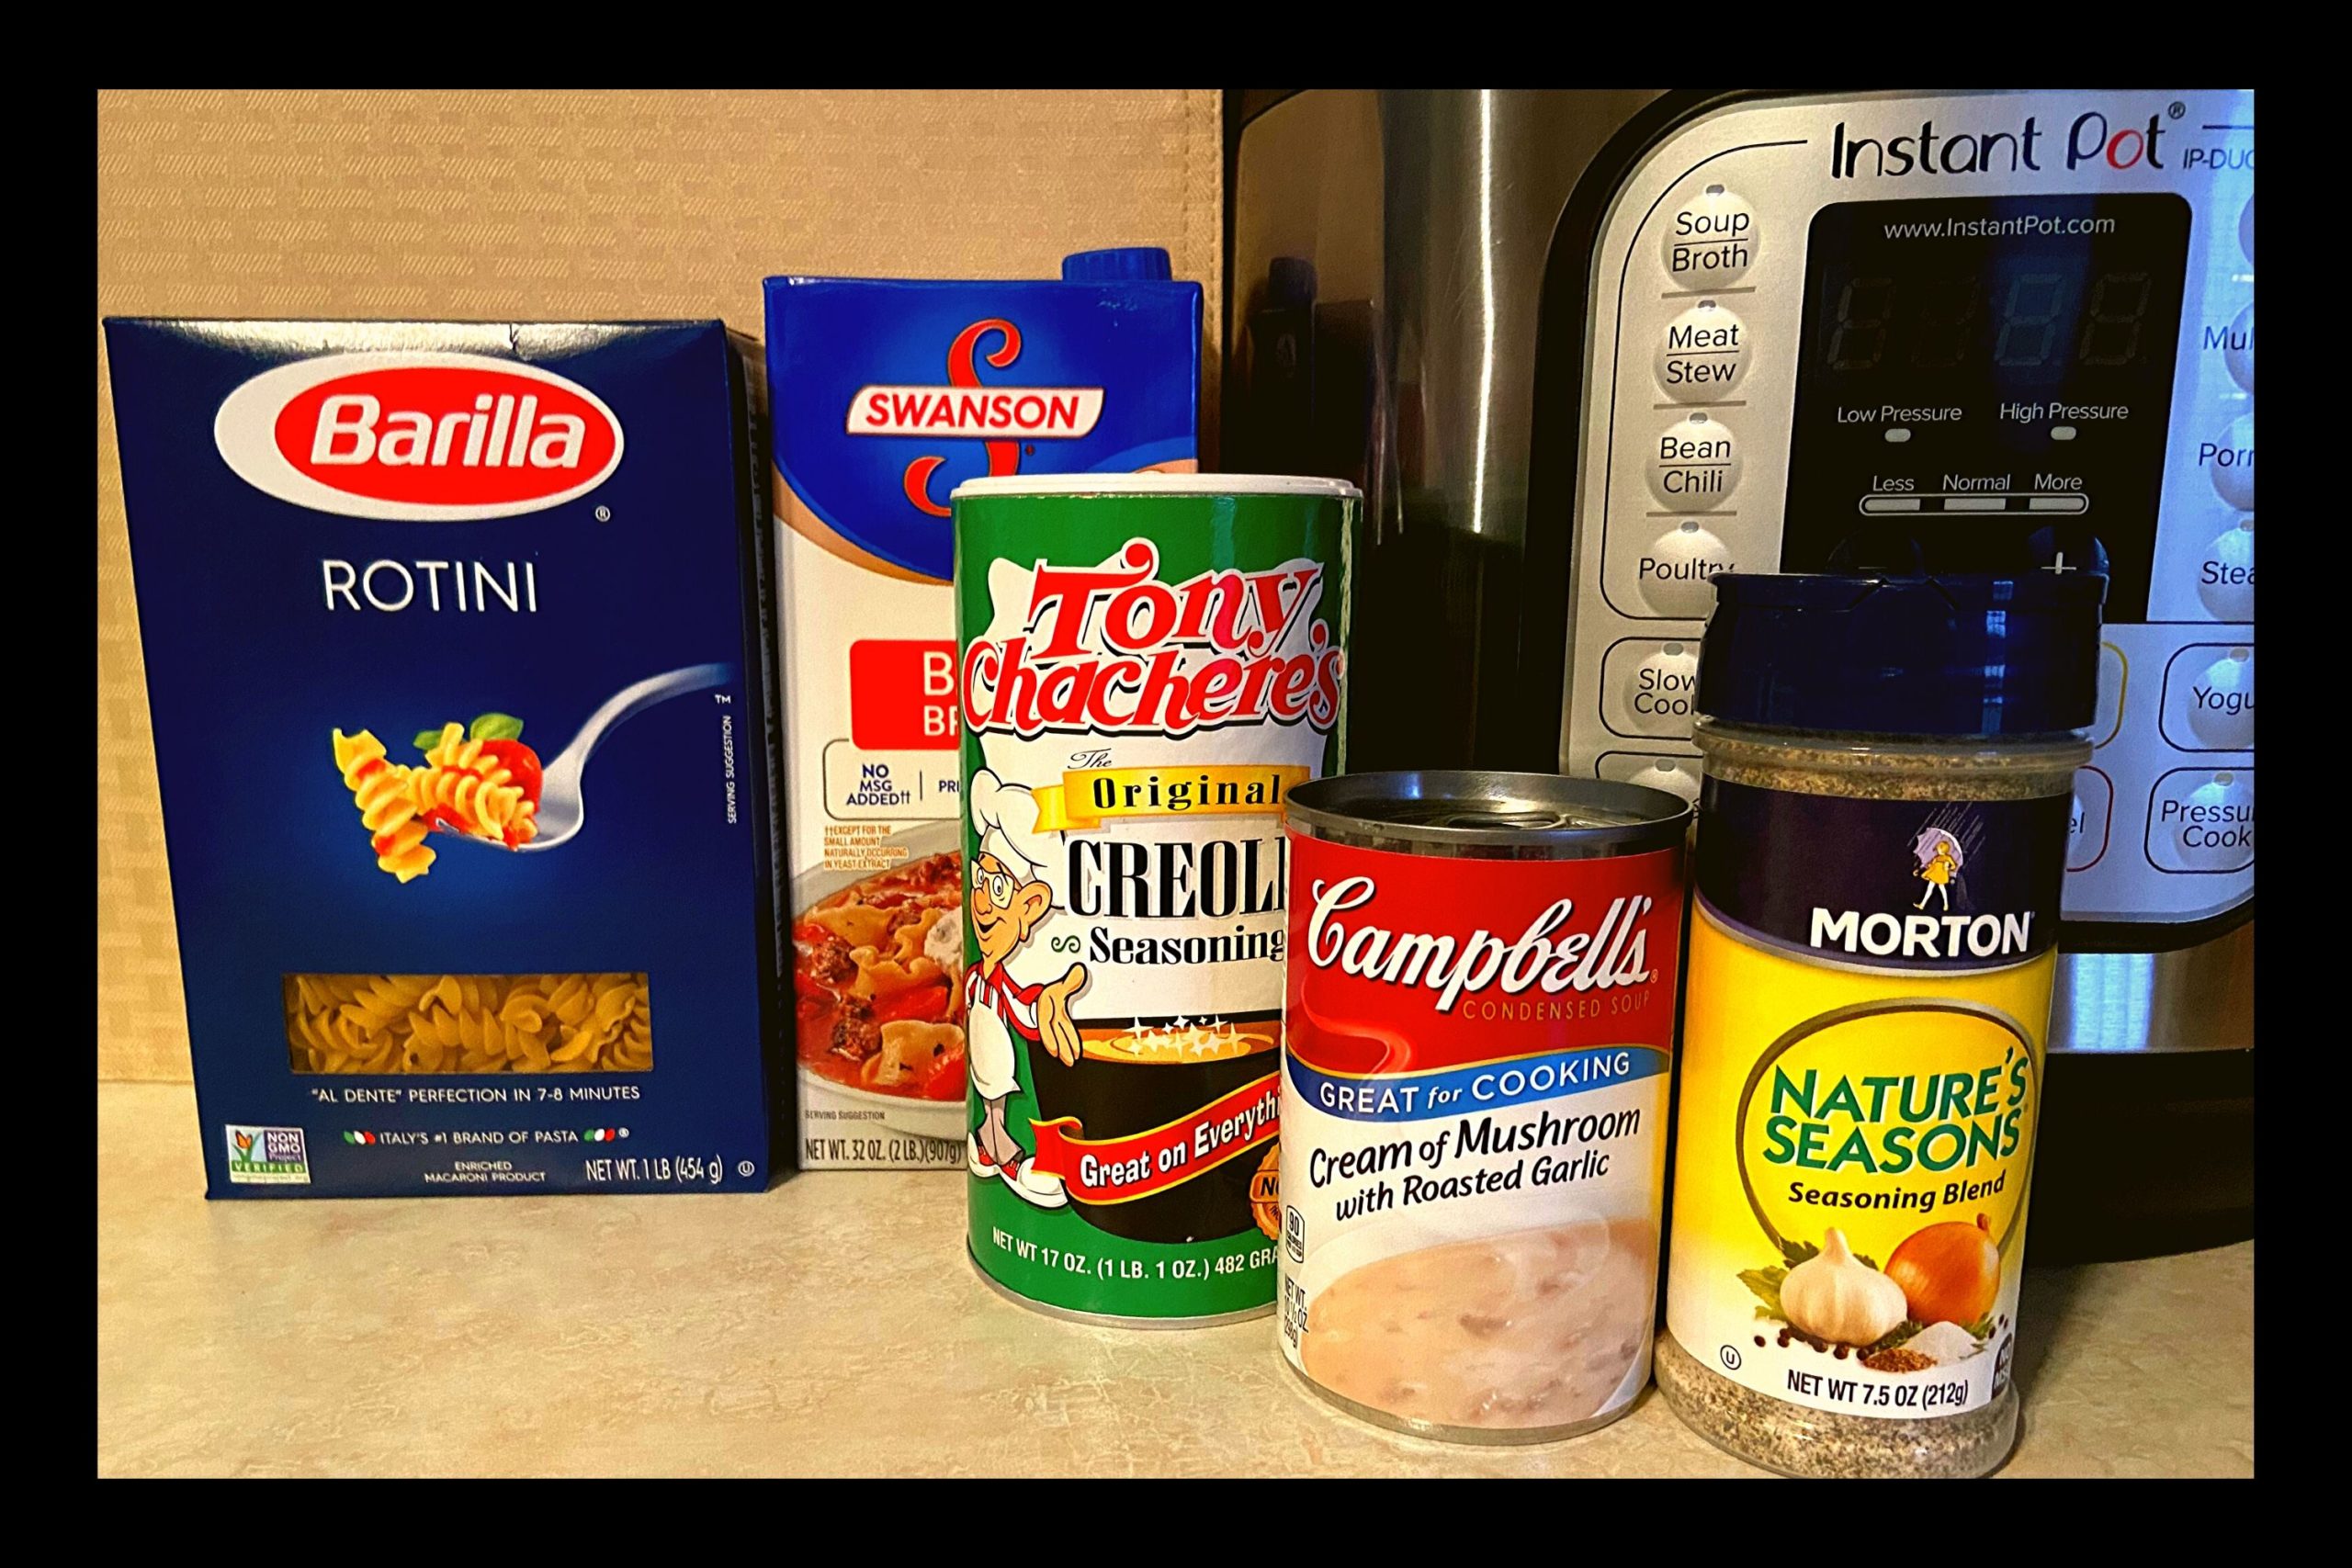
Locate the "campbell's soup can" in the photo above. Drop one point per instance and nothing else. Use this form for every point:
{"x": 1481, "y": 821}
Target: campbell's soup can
{"x": 1149, "y": 665}
{"x": 1477, "y": 1047}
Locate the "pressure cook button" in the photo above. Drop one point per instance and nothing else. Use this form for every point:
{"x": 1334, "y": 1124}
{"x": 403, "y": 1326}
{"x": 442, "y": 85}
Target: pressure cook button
{"x": 2238, "y": 349}
{"x": 2226, "y": 575}
{"x": 1710, "y": 240}
{"x": 1694, "y": 463}
{"x": 2209, "y": 697}
{"x": 2229, "y": 463}
{"x": 1678, "y": 776}
{"x": 1702, "y": 354}
{"x": 2201, "y": 820}
{"x": 1677, "y": 572}
{"x": 1647, "y": 685}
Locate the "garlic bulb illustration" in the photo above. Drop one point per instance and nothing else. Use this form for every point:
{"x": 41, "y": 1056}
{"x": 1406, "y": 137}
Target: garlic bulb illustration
{"x": 1836, "y": 1296}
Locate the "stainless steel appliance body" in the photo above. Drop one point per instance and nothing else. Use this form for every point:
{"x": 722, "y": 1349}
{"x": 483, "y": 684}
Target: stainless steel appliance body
{"x": 1583, "y": 349}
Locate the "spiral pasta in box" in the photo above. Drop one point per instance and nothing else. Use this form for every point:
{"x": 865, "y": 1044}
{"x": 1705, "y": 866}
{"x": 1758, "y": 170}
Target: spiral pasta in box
{"x": 484, "y": 604}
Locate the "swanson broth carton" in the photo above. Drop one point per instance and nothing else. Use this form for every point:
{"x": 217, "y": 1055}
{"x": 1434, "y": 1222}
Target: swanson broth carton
{"x": 885, "y": 395}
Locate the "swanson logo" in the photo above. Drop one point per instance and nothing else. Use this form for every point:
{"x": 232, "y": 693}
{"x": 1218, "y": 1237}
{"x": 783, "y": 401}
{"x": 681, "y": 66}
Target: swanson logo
{"x": 1002, "y": 417}
{"x": 416, "y": 435}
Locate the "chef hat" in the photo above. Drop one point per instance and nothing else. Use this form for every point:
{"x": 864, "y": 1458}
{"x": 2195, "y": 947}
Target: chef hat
{"x": 1005, "y": 819}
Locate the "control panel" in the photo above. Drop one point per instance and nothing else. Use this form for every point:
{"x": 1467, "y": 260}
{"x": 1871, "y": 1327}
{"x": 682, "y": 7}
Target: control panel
{"x": 1996, "y": 330}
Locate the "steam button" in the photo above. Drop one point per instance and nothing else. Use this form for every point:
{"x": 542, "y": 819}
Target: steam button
{"x": 1694, "y": 464}
{"x": 1702, "y": 355}
{"x": 2201, "y": 820}
{"x": 1710, "y": 240}
{"x": 2226, "y": 575}
{"x": 1648, "y": 686}
{"x": 1677, "y": 572}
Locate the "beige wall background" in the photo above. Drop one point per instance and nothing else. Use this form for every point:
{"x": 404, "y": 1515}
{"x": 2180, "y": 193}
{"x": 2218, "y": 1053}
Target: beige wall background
{"x": 555, "y": 206}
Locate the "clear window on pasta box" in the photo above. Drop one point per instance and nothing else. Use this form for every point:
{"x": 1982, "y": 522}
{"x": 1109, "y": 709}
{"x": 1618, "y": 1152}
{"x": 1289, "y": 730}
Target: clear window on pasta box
{"x": 469, "y": 1023}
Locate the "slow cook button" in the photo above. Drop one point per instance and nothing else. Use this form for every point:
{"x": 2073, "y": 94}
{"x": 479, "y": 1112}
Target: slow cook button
{"x": 1647, "y": 684}
{"x": 1710, "y": 240}
{"x": 2200, "y": 820}
{"x": 1678, "y": 776}
{"x": 2225, "y": 574}
{"x": 2229, "y": 463}
{"x": 1694, "y": 463}
{"x": 1677, "y": 572}
{"x": 2089, "y": 821}
{"x": 1702, "y": 355}
{"x": 2209, "y": 697}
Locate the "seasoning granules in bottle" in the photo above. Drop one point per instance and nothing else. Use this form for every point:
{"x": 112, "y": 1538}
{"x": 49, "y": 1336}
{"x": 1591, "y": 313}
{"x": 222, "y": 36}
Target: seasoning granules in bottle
{"x": 1883, "y": 836}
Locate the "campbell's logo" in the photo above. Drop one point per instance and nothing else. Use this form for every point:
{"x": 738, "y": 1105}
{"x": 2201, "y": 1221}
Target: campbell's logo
{"x": 2089, "y": 139}
{"x": 1112, "y": 648}
{"x": 1542, "y": 957}
{"x": 1003, "y": 417}
{"x": 419, "y": 436}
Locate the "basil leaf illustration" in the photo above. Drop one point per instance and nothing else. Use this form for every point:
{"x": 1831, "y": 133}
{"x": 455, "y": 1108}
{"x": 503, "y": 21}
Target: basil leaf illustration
{"x": 496, "y": 727}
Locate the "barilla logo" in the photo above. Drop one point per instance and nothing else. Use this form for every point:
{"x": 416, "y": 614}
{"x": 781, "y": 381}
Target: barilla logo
{"x": 1003, "y": 417}
{"x": 418, "y": 436}
{"x": 1542, "y": 957}
{"x": 1113, "y": 648}
{"x": 2089, "y": 139}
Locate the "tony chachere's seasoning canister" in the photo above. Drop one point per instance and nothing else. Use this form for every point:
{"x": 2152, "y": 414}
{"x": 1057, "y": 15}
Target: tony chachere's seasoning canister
{"x": 1149, "y": 664}
{"x": 1475, "y": 1052}
{"x": 1882, "y": 840}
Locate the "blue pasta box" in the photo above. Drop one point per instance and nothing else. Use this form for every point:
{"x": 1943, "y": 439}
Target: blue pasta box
{"x": 459, "y": 675}
{"x": 884, "y": 394}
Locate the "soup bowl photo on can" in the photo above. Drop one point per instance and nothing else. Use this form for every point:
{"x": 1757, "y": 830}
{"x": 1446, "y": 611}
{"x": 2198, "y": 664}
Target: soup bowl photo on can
{"x": 1139, "y": 1077}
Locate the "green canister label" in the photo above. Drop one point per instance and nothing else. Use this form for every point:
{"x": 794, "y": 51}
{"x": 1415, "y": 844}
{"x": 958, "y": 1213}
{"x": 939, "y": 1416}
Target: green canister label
{"x": 1146, "y": 667}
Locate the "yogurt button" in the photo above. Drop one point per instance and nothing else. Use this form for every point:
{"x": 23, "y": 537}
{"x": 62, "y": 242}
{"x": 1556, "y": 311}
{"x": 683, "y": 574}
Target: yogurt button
{"x": 1694, "y": 463}
{"x": 1702, "y": 355}
{"x": 1677, "y": 574}
{"x": 2201, "y": 820}
{"x": 1647, "y": 686}
{"x": 2209, "y": 698}
{"x": 2226, "y": 575}
{"x": 1710, "y": 240}
{"x": 1678, "y": 776}
{"x": 2238, "y": 349}
{"x": 2229, "y": 463}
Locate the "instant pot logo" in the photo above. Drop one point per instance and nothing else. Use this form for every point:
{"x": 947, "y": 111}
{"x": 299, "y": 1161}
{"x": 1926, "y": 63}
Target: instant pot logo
{"x": 417, "y": 436}
{"x": 1002, "y": 417}
{"x": 2090, "y": 140}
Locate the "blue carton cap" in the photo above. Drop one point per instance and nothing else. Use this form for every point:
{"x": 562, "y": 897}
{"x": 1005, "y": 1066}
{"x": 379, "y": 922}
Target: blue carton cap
{"x": 1903, "y": 655}
{"x": 1125, "y": 264}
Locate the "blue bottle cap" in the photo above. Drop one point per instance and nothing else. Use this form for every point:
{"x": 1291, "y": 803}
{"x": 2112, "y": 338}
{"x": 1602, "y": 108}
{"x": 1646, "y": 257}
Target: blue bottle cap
{"x": 1125, "y": 264}
{"x": 1905, "y": 655}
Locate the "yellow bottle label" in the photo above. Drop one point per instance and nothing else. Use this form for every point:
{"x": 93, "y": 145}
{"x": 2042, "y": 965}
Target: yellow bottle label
{"x": 1856, "y": 1130}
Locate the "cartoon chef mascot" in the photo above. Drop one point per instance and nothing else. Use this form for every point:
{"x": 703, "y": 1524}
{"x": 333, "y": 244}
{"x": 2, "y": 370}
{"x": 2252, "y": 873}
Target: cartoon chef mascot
{"x": 1008, "y": 899}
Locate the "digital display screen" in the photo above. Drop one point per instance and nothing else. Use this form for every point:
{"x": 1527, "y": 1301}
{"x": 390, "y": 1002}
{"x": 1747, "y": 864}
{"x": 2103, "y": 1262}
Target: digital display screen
{"x": 1975, "y": 371}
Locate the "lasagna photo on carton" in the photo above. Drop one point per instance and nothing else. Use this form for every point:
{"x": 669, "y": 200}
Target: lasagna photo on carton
{"x": 481, "y": 604}
{"x": 885, "y": 395}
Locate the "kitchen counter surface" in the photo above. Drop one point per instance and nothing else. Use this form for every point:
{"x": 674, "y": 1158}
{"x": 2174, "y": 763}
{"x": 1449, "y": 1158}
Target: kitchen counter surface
{"x": 831, "y": 1326}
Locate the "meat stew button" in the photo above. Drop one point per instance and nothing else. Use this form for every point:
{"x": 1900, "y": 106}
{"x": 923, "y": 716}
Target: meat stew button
{"x": 2200, "y": 820}
{"x": 1694, "y": 463}
{"x": 1709, "y": 240}
{"x": 1702, "y": 355}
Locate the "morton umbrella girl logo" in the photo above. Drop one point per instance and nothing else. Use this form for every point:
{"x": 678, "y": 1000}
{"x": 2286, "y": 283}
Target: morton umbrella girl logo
{"x": 1940, "y": 852}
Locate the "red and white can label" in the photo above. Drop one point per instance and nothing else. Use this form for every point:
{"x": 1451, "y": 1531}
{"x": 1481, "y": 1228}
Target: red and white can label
{"x": 1474, "y": 1090}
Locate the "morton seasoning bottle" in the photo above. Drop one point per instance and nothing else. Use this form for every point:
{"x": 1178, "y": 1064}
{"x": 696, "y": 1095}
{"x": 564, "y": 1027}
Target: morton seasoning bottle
{"x": 1882, "y": 840}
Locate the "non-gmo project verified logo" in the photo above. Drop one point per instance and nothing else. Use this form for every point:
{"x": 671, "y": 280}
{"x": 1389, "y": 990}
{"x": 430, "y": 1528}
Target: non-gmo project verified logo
{"x": 268, "y": 1154}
